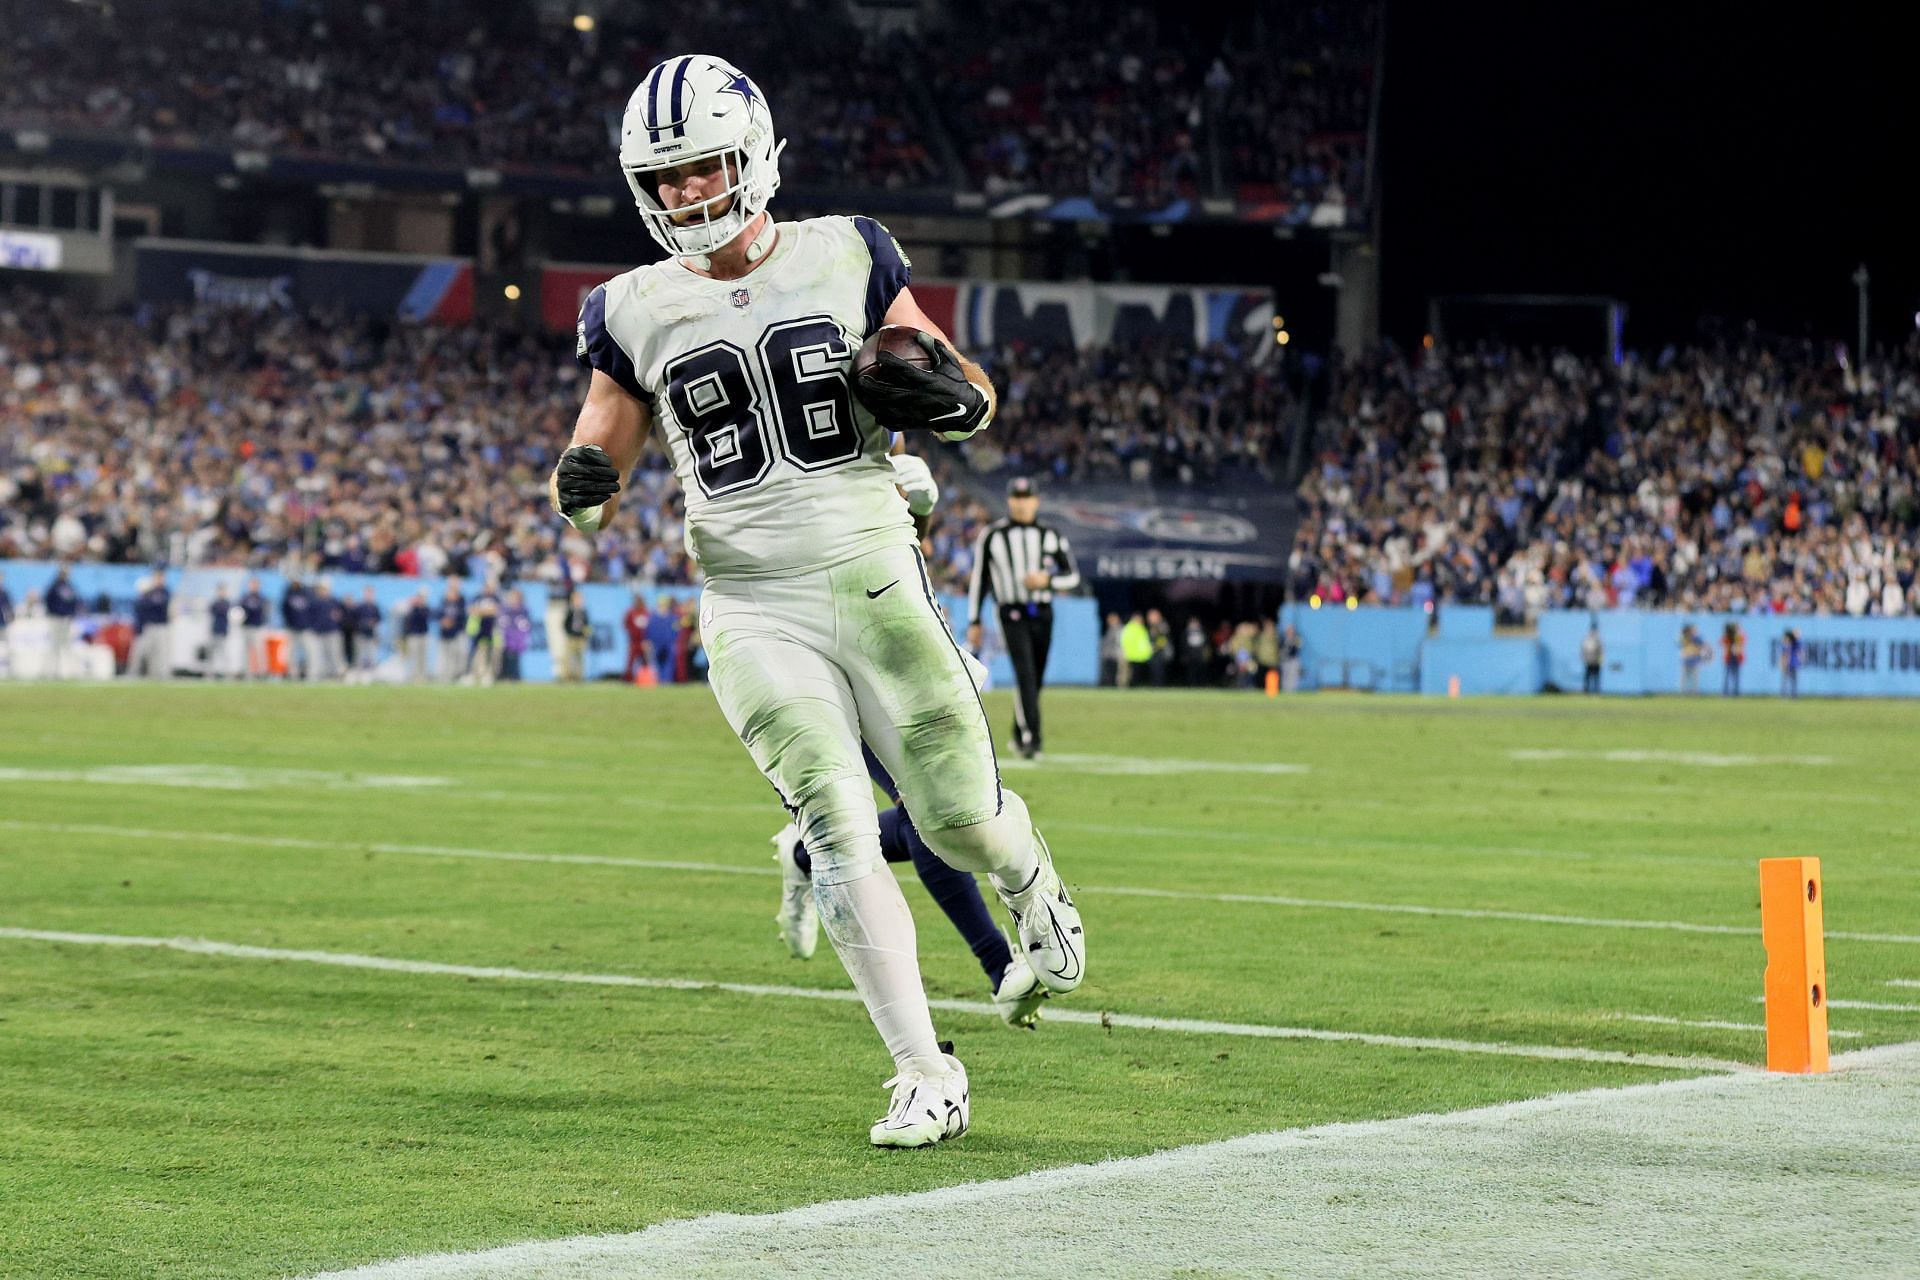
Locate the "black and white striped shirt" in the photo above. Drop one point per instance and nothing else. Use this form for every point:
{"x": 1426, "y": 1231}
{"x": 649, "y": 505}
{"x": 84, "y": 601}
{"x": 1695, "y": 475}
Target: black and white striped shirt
{"x": 1006, "y": 553}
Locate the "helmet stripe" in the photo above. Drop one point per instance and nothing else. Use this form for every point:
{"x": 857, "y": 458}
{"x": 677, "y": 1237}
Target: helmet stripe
{"x": 680, "y": 113}
{"x": 649, "y": 112}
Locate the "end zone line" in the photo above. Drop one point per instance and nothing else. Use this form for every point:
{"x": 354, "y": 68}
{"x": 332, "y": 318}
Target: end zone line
{"x": 721, "y": 868}
{"x": 1715, "y": 1024}
{"x": 1236, "y": 1205}
{"x": 1194, "y": 1026}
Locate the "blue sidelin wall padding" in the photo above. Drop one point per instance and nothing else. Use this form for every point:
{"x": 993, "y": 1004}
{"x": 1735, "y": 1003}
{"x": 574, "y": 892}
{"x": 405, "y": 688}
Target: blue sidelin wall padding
{"x": 1496, "y": 664}
{"x": 1375, "y": 649}
{"x": 1390, "y": 650}
{"x": 1466, "y": 621}
{"x": 1842, "y": 656}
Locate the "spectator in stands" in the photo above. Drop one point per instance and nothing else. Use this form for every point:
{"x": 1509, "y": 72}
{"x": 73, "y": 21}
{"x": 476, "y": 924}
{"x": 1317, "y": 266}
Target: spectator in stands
{"x": 62, "y": 604}
{"x": 1693, "y": 652}
{"x": 1266, "y": 650}
{"x": 639, "y": 651}
{"x": 663, "y": 629}
{"x": 219, "y": 635}
{"x": 1245, "y": 666}
{"x": 579, "y": 633}
{"x": 451, "y": 659}
{"x": 366, "y": 634}
{"x": 1136, "y": 648}
{"x": 296, "y": 615}
{"x": 253, "y": 622}
{"x": 416, "y": 623}
{"x": 152, "y": 620}
{"x": 516, "y": 633}
{"x": 1115, "y": 672}
{"x": 327, "y": 617}
{"x": 1592, "y": 654}
{"x": 6, "y": 625}
{"x": 482, "y": 627}
{"x": 1196, "y": 652}
{"x": 1290, "y": 660}
{"x": 1160, "y": 636}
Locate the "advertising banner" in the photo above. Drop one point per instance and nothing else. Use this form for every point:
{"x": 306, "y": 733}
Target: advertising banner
{"x": 980, "y": 314}
{"x": 408, "y": 287}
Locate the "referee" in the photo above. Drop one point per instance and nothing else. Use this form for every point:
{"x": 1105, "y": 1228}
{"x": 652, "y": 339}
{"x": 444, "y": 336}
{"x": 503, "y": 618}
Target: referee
{"x": 1022, "y": 563}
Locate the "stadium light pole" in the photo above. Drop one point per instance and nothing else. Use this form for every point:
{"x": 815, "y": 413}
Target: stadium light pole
{"x": 1860, "y": 284}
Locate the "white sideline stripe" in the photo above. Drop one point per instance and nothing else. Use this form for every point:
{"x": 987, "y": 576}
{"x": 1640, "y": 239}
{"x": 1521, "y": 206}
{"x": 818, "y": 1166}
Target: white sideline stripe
{"x": 1141, "y": 766}
{"x": 1628, "y": 755}
{"x": 1682, "y": 1177}
{"x": 721, "y": 868}
{"x": 382, "y": 846}
{"x": 1879, "y": 1006}
{"x": 348, "y": 960}
{"x": 1716, "y": 1024}
{"x": 1315, "y": 842}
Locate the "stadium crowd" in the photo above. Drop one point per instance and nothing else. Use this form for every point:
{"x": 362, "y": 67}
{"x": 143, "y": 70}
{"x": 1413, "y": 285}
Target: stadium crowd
{"x": 1768, "y": 477}
{"x": 1146, "y": 108}
{"x": 320, "y": 443}
{"x": 1148, "y": 111}
{"x": 1156, "y": 411}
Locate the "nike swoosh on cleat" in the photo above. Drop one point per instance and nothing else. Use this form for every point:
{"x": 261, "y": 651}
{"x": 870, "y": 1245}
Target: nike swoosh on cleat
{"x": 958, "y": 410}
{"x": 875, "y": 595}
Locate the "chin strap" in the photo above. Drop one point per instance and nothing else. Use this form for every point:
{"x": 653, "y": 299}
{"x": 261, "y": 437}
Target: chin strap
{"x": 762, "y": 243}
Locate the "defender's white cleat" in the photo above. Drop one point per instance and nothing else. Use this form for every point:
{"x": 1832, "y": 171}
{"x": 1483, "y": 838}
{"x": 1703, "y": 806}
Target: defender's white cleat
{"x": 1020, "y": 995}
{"x": 798, "y": 919}
{"x": 1049, "y": 925}
{"x": 926, "y": 1108}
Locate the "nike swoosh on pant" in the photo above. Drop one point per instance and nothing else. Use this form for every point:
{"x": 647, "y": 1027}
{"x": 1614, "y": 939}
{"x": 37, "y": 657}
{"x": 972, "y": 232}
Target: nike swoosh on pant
{"x": 875, "y": 595}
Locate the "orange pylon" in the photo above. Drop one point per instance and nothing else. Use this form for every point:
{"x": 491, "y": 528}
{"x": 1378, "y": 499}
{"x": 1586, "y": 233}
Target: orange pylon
{"x": 1792, "y": 928}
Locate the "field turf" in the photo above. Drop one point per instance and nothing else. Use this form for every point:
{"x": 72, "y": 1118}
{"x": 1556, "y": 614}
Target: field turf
{"x": 166, "y": 1113}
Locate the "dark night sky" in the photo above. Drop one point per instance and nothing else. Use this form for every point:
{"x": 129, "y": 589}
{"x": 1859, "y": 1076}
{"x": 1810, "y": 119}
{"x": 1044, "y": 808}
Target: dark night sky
{"x": 1688, "y": 162}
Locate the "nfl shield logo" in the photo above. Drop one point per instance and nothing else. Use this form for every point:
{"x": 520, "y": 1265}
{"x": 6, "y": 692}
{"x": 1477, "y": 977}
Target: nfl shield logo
{"x": 739, "y": 298}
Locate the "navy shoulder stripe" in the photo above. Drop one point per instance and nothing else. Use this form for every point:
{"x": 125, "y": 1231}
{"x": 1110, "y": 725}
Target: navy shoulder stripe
{"x": 889, "y": 274}
{"x": 596, "y": 348}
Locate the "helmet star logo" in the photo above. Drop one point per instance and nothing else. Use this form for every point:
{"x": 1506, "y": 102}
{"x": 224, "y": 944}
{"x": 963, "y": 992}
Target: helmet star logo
{"x": 741, "y": 85}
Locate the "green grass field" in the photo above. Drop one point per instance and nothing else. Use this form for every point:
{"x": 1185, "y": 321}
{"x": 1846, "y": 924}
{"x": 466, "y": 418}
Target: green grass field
{"x": 165, "y": 1113}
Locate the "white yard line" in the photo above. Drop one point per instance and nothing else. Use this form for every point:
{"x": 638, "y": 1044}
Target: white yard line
{"x": 1698, "y": 759}
{"x": 1903, "y": 982}
{"x": 1715, "y": 1024}
{"x": 1878, "y": 1006}
{"x": 1194, "y": 1026}
{"x": 721, "y": 868}
{"x": 1682, "y": 1178}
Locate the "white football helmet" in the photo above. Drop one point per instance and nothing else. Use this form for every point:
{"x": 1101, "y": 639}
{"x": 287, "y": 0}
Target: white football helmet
{"x": 693, "y": 107}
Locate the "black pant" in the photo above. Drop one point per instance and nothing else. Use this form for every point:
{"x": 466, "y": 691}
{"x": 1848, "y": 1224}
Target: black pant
{"x": 1028, "y": 630}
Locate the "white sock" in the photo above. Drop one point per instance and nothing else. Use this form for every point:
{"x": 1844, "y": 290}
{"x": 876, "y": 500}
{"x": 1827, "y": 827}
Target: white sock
{"x": 872, "y": 929}
{"x": 1020, "y": 863}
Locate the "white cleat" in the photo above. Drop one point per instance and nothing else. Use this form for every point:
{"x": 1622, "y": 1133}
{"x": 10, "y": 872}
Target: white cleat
{"x": 1020, "y": 995}
{"x": 926, "y": 1109}
{"x": 1048, "y": 925}
{"x": 798, "y": 919}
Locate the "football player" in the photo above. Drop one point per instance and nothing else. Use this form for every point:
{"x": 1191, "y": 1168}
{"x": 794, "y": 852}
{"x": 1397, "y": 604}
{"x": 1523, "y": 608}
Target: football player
{"x": 820, "y": 624}
{"x": 1017, "y": 993}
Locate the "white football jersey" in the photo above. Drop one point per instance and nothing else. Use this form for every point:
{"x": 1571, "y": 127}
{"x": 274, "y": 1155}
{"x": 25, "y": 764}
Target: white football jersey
{"x": 750, "y": 383}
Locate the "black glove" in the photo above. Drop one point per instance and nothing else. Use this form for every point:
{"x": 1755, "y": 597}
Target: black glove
{"x": 906, "y": 397}
{"x": 585, "y": 478}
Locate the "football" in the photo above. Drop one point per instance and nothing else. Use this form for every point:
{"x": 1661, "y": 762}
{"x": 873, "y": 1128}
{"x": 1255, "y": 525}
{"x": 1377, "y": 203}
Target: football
{"x": 898, "y": 339}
